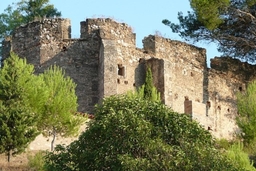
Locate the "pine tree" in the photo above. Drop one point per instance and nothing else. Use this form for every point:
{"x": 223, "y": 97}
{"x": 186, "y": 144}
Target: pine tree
{"x": 58, "y": 114}
{"x": 228, "y": 23}
{"x": 148, "y": 84}
{"x": 19, "y": 98}
{"x": 148, "y": 90}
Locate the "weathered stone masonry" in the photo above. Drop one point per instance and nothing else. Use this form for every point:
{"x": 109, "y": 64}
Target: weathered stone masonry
{"x": 105, "y": 61}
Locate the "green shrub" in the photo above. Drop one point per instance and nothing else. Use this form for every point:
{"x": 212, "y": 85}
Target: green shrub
{"x": 131, "y": 133}
{"x": 223, "y": 143}
{"x": 36, "y": 162}
{"x": 239, "y": 157}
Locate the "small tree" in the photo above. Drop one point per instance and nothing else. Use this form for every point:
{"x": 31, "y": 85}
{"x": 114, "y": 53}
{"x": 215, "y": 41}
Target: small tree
{"x": 148, "y": 90}
{"x": 246, "y": 120}
{"x": 20, "y": 97}
{"x": 58, "y": 116}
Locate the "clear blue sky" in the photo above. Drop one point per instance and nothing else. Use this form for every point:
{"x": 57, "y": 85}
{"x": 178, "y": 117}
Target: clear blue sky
{"x": 144, "y": 16}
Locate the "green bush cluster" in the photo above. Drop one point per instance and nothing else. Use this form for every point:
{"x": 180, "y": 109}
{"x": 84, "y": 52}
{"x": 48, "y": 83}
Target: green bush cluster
{"x": 131, "y": 133}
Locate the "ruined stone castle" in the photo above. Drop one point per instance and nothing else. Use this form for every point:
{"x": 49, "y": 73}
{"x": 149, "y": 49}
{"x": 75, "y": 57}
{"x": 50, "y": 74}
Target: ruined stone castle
{"x": 105, "y": 61}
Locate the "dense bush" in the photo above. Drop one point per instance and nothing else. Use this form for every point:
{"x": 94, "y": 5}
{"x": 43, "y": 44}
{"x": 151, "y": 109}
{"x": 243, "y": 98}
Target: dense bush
{"x": 130, "y": 133}
{"x": 236, "y": 153}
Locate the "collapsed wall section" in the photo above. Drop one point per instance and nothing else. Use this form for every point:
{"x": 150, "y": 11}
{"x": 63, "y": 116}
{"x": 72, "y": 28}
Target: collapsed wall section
{"x": 208, "y": 95}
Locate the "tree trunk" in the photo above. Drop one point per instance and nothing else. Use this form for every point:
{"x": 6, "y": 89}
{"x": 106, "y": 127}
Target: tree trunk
{"x": 53, "y": 139}
{"x": 9, "y": 156}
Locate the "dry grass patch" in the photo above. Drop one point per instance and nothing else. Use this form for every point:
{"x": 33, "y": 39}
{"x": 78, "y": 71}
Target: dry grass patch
{"x": 17, "y": 163}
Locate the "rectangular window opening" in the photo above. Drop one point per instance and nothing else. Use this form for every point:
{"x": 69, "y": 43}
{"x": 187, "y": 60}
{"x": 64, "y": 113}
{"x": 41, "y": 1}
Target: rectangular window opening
{"x": 121, "y": 70}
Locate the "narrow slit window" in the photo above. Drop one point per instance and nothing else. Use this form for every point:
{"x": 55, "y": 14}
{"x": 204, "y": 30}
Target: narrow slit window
{"x": 121, "y": 70}
{"x": 208, "y": 104}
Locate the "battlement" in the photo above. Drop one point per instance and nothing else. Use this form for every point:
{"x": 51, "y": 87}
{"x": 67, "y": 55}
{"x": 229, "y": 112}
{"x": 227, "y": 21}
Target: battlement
{"x": 107, "y": 28}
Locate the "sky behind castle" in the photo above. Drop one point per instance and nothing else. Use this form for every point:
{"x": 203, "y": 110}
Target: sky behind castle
{"x": 144, "y": 16}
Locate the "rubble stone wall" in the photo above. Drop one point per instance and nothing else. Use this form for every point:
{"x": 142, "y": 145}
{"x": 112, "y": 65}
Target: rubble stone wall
{"x": 105, "y": 61}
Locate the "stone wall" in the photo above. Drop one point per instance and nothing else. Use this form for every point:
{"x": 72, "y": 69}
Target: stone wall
{"x": 104, "y": 61}
{"x": 207, "y": 94}
{"x": 183, "y": 70}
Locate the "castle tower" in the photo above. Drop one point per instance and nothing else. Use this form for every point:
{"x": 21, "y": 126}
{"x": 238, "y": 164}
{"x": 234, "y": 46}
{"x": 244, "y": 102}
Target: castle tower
{"x": 116, "y": 67}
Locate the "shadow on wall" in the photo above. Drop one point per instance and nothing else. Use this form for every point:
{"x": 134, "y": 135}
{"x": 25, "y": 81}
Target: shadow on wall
{"x": 140, "y": 73}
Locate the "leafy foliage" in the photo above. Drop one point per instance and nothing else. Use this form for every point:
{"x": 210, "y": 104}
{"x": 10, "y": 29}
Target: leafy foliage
{"x": 131, "y": 133}
{"x": 229, "y": 23}
{"x": 38, "y": 9}
{"x": 223, "y": 143}
{"x": 208, "y": 12}
{"x": 20, "y": 95}
{"x": 58, "y": 115}
{"x": 246, "y": 103}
